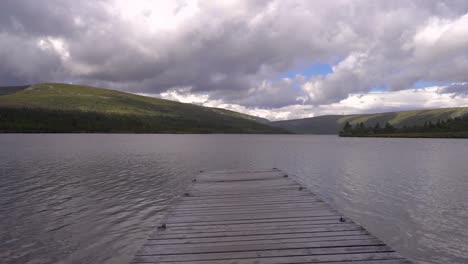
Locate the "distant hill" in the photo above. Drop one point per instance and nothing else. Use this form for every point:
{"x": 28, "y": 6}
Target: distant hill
{"x": 53, "y": 107}
{"x": 332, "y": 124}
{"x": 11, "y": 89}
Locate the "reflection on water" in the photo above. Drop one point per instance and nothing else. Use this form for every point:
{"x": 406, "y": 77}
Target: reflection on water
{"x": 95, "y": 198}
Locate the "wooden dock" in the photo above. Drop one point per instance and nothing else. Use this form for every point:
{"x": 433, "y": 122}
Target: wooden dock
{"x": 258, "y": 217}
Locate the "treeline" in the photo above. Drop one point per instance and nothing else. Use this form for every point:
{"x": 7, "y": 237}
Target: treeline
{"x": 451, "y": 127}
{"x": 29, "y": 120}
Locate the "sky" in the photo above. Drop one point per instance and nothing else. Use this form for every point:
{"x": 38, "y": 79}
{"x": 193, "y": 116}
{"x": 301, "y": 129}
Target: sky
{"x": 278, "y": 59}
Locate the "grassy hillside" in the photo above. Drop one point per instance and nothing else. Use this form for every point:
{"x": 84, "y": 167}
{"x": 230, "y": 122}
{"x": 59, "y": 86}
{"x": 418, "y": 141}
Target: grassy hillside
{"x": 52, "y": 107}
{"x": 332, "y": 124}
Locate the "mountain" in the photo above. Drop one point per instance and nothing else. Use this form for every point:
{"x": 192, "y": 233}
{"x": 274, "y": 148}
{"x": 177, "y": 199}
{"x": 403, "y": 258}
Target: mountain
{"x": 54, "y": 107}
{"x": 332, "y": 124}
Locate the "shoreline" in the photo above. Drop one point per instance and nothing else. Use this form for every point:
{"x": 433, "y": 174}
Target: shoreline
{"x": 415, "y": 135}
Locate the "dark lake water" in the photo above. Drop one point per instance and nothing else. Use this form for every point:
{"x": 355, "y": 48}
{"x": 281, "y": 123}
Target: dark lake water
{"x": 95, "y": 198}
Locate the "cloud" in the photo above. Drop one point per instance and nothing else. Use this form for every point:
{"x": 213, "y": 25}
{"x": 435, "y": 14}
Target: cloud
{"x": 359, "y": 103}
{"x": 456, "y": 89}
{"x": 26, "y": 60}
{"x": 233, "y": 51}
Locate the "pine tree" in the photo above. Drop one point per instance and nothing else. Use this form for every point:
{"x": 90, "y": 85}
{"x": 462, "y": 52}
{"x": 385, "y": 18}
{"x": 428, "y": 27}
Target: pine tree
{"x": 388, "y": 128}
{"x": 376, "y": 128}
{"x": 347, "y": 130}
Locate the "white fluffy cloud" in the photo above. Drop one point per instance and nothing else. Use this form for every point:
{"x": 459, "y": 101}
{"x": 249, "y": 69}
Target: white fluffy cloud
{"x": 423, "y": 98}
{"x": 234, "y": 52}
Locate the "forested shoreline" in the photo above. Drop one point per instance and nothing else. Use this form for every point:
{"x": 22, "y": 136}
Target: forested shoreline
{"x": 450, "y": 128}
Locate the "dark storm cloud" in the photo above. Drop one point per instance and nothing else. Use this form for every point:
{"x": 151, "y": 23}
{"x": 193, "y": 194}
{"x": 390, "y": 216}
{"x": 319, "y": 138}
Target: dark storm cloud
{"x": 23, "y": 62}
{"x": 49, "y": 18}
{"x": 26, "y": 28}
{"x": 35, "y": 17}
{"x": 235, "y": 52}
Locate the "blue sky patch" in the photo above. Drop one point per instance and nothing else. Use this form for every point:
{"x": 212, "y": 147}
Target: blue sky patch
{"x": 315, "y": 69}
{"x": 378, "y": 88}
{"x": 423, "y": 84}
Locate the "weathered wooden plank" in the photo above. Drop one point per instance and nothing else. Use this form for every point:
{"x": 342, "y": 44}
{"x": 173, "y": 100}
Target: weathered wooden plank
{"x": 260, "y": 211}
{"x": 265, "y": 228}
{"x": 211, "y": 190}
{"x": 241, "y": 192}
{"x": 251, "y": 221}
{"x": 264, "y": 242}
{"x": 251, "y": 216}
{"x": 246, "y": 201}
{"x": 266, "y": 253}
{"x": 217, "y": 183}
{"x": 377, "y": 257}
{"x": 246, "y": 211}
{"x": 202, "y": 247}
{"x": 250, "y": 212}
{"x": 255, "y": 196}
{"x": 247, "y": 208}
{"x": 264, "y": 239}
{"x": 261, "y": 231}
{"x": 248, "y": 226}
{"x": 264, "y": 194}
{"x": 246, "y": 205}
{"x": 259, "y": 217}
{"x": 231, "y": 205}
{"x": 160, "y": 240}
{"x": 190, "y": 249}
{"x": 247, "y": 175}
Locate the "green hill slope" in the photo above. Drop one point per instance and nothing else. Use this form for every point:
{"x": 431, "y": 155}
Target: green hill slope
{"x": 52, "y": 107}
{"x": 332, "y": 124}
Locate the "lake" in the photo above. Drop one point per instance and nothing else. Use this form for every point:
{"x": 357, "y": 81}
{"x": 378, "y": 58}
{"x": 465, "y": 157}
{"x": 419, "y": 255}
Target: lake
{"x": 94, "y": 198}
